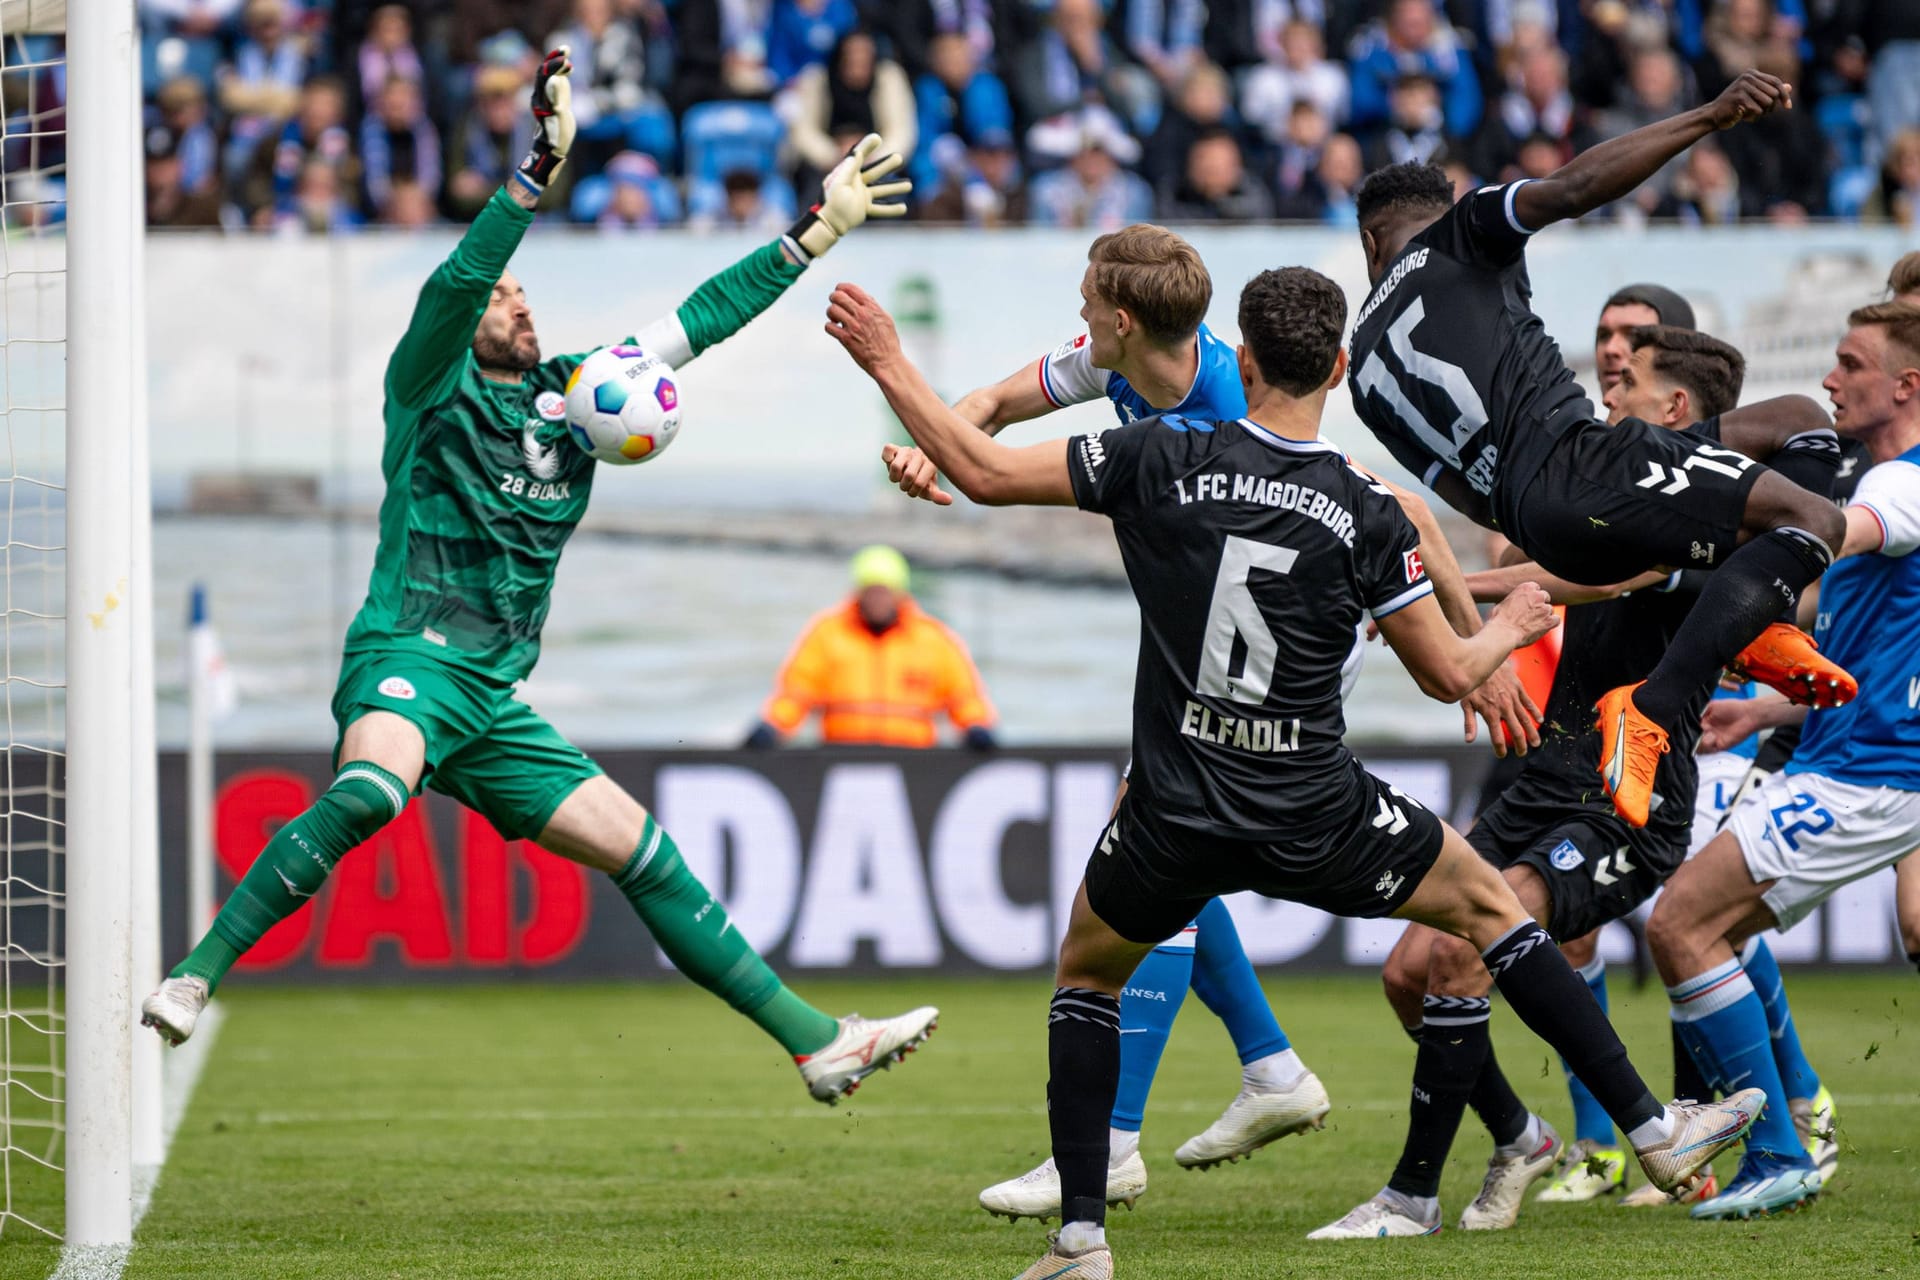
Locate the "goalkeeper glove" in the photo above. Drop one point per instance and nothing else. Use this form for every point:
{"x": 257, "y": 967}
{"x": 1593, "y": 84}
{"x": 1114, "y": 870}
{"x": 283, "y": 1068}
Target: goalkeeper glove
{"x": 848, "y": 197}
{"x": 553, "y": 122}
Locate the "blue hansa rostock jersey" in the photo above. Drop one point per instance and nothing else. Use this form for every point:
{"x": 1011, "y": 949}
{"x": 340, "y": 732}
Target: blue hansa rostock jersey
{"x": 1870, "y": 624}
{"x": 1068, "y": 377}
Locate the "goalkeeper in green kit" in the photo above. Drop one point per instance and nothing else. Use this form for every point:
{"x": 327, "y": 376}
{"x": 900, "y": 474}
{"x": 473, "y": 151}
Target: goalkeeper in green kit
{"x": 483, "y": 490}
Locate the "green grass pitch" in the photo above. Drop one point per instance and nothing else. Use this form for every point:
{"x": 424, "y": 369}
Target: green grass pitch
{"x": 644, "y": 1131}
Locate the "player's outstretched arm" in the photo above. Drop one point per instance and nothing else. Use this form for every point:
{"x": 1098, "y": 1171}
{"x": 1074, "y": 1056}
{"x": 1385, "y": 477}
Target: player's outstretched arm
{"x": 1490, "y": 586}
{"x": 455, "y": 295}
{"x": 728, "y": 301}
{"x": 1015, "y": 398}
{"x": 979, "y": 466}
{"x": 1448, "y": 666}
{"x": 1604, "y": 173}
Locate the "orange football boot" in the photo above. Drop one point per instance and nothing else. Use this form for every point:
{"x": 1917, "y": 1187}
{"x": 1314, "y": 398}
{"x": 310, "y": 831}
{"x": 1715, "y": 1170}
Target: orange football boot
{"x": 1786, "y": 659}
{"x": 1630, "y": 749}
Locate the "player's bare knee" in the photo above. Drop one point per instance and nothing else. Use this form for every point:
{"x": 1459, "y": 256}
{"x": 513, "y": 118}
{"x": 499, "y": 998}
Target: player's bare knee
{"x": 1581, "y": 951}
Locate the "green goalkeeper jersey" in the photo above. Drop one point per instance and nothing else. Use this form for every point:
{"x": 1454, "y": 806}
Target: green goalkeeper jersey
{"x": 483, "y": 483}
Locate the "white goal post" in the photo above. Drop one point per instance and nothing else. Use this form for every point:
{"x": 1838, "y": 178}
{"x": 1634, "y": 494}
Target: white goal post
{"x": 106, "y": 500}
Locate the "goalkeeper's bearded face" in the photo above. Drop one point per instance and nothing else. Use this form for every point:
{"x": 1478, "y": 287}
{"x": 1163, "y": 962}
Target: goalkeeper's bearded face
{"x": 505, "y": 339}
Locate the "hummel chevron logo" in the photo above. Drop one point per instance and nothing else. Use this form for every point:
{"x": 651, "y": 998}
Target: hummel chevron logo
{"x": 1391, "y": 817}
{"x": 1657, "y": 475}
{"x": 1621, "y": 867}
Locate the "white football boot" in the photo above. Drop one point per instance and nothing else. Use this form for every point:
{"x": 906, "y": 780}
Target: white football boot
{"x": 1253, "y": 1119}
{"x": 1497, "y": 1207}
{"x": 1375, "y": 1220}
{"x": 1588, "y": 1172}
{"x": 864, "y": 1046}
{"x": 1701, "y": 1131}
{"x": 1813, "y": 1119}
{"x": 1036, "y": 1193}
{"x": 1089, "y": 1264}
{"x": 1647, "y": 1196}
{"x": 175, "y": 1007}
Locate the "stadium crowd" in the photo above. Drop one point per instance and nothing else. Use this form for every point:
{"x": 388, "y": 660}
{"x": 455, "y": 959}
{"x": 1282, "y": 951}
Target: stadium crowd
{"x": 326, "y": 115}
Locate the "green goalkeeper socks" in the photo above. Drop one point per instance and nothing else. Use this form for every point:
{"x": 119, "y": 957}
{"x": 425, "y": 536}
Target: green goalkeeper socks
{"x": 692, "y": 928}
{"x": 294, "y": 864}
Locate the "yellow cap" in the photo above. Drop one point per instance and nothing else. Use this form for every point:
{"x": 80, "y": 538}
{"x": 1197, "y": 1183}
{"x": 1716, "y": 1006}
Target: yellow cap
{"x": 879, "y": 566}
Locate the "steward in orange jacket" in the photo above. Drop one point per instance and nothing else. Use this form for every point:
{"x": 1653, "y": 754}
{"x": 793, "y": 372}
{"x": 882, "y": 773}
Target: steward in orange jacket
{"x": 878, "y": 669}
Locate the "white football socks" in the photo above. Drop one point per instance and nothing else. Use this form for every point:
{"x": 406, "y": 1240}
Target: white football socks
{"x": 1274, "y": 1072}
{"x": 1078, "y": 1237}
{"x": 1121, "y": 1143}
{"x": 1651, "y": 1133}
{"x": 1526, "y": 1144}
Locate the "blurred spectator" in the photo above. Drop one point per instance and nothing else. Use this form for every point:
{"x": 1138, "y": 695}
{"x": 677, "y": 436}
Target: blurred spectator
{"x": 1068, "y": 62}
{"x": 1656, "y": 88}
{"x": 490, "y": 141}
{"x": 1898, "y": 198}
{"x": 1327, "y": 197}
{"x": 1739, "y": 33}
{"x": 1298, "y": 153}
{"x": 722, "y": 51}
{"x": 1165, "y": 37}
{"x": 318, "y": 130}
{"x": 398, "y": 142}
{"x": 189, "y": 18}
{"x": 1216, "y": 187}
{"x": 1889, "y": 35}
{"x": 1616, "y": 30}
{"x": 170, "y": 202}
{"x": 1537, "y": 157}
{"x": 1539, "y": 105}
{"x": 1412, "y": 39}
{"x": 802, "y": 33}
{"x": 1416, "y": 124}
{"x": 262, "y": 86}
{"x": 836, "y": 103}
{"x": 475, "y": 24}
{"x": 913, "y": 27}
{"x": 320, "y": 202}
{"x": 1094, "y": 191}
{"x": 1299, "y": 72}
{"x": 182, "y": 37}
{"x": 878, "y": 670}
{"x": 1203, "y": 102}
{"x": 611, "y": 103}
{"x": 181, "y": 108}
{"x": 634, "y": 200}
{"x": 983, "y": 187}
{"x": 1782, "y": 158}
{"x": 745, "y": 206}
{"x": 954, "y": 97}
{"x": 409, "y": 206}
{"x": 388, "y": 51}
{"x": 1707, "y": 191}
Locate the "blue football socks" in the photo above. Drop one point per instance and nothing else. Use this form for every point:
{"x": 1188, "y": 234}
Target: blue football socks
{"x": 1224, "y": 980}
{"x": 1724, "y": 1026}
{"x": 1149, "y": 1003}
{"x": 1801, "y": 1080}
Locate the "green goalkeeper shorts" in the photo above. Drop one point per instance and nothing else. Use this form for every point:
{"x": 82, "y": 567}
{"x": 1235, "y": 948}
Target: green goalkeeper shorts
{"x": 485, "y": 747}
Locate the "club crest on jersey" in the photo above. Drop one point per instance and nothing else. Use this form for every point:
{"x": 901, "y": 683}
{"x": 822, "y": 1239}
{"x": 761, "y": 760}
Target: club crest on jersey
{"x": 550, "y": 405}
{"x": 543, "y": 460}
{"x": 397, "y": 687}
{"x": 1566, "y": 856}
{"x": 1410, "y": 560}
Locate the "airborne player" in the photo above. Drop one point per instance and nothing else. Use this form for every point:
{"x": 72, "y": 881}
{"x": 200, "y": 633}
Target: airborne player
{"x": 484, "y": 487}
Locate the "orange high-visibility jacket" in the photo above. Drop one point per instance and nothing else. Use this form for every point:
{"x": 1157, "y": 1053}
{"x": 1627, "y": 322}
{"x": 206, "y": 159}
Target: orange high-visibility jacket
{"x": 882, "y": 690}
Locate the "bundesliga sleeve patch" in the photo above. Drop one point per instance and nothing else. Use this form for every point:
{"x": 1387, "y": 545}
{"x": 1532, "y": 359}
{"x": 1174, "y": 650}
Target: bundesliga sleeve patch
{"x": 1410, "y": 560}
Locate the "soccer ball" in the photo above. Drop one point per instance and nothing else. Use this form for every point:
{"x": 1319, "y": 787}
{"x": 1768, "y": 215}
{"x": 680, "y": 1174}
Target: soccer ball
{"x": 623, "y": 405}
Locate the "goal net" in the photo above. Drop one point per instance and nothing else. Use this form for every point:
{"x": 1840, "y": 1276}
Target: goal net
{"x": 32, "y": 623}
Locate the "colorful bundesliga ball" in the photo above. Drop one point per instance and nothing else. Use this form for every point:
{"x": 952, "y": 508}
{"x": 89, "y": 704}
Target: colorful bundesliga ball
{"x": 623, "y": 405}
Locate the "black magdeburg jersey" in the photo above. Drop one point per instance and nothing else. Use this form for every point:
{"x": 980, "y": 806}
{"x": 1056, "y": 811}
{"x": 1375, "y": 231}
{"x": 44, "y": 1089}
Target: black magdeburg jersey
{"x": 1253, "y": 559}
{"x": 1451, "y": 368}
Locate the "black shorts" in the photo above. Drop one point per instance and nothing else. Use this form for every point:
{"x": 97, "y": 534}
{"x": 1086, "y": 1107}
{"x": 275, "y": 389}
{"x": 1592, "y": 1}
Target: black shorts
{"x": 1148, "y": 877}
{"x": 1597, "y": 868}
{"x": 1610, "y": 502}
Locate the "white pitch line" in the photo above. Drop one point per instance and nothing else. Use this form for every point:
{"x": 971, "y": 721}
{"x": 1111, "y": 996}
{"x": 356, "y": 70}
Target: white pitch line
{"x": 180, "y": 1074}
